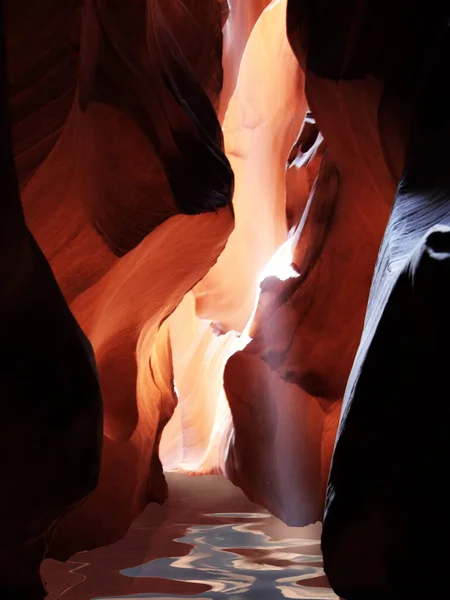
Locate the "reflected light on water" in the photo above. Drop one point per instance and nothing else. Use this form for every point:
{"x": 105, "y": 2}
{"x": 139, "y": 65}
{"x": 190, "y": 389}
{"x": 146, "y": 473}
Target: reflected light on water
{"x": 237, "y": 560}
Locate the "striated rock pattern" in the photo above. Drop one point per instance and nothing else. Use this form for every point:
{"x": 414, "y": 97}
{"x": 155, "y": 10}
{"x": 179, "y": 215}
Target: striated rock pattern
{"x": 132, "y": 207}
{"x": 263, "y": 121}
{"x": 307, "y": 328}
{"x": 43, "y": 40}
{"x": 51, "y": 436}
{"x": 124, "y": 302}
{"x": 386, "y": 507}
{"x": 239, "y": 23}
{"x": 383, "y": 487}
{"x": 227, "y": 337}
{"x": 98, "y": 191}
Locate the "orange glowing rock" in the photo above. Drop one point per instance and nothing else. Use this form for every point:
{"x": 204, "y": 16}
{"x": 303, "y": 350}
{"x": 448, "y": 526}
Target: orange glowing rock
{"x": 259, "y": 132}
{"x": 50, "y": 438}
{"x": 223, "y": 351}
{"x": 141, "y": 144}
{"x": 122, "y": 316}
{"x": 261, "y": 125}
{"x": 196, "y": 438}
{"x": 306, "y": 329}
{"x": 241, "y": 18}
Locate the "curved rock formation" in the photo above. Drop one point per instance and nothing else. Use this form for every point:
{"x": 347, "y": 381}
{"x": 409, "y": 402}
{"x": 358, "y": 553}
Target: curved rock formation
{"x": 384, "y": 486}
{"x": 131, "y": 207}
{"x": 51, "y": 402}
{"x": 262, "y": 123}
{"x": 43, "y": 41}
{"x": 128, "y": 90}
{"x": 302, "y": 170}
{"x": 151, "y": 94}
{"x": 240, "y": 20}
{"x": 124, "y": 316}
{"x": 307, "y": 329}
{"x": 127, "y": 190}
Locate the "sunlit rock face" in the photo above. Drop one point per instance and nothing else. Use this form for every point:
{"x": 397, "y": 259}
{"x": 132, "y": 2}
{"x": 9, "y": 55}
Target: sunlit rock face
{"x": 196, "y": 438}
{"x": 50, "y": 439}
{"x": 239, "y": 18}
{"x": 307, "y": 328}
{"x": 302, "y": 169}
{"x": 261, "y": 125}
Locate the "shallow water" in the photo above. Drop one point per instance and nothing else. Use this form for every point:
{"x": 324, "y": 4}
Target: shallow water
{"x": 191, "y": 551}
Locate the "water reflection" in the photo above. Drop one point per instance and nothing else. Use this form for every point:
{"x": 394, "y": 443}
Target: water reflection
{"x": 237, "y": 560}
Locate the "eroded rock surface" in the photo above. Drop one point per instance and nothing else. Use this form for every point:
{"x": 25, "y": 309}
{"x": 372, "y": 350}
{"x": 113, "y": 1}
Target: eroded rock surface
{"x": 381, "y": 486}
{"x": 384, "y": 483}
{"x": 158, "y": 101}
{"x": 307, "y": 328}
{"x": 51, "y": 434}
{"x": 126, "y": 189}
{"x": 132, "y": 207}
{"x": 262, "y": 123}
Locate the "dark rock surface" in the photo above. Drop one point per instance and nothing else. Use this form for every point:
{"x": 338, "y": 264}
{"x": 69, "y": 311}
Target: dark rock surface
{"x": 51, "y": 426}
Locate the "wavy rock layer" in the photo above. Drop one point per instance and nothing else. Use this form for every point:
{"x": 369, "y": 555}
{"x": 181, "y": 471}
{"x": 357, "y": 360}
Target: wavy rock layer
{"x": 51, "y": 402}
{"x": 381, "y": 483}
{"x": 307, "y": 328}
{"x": 124, "y": 316}
{"x": 262, "y": 123}
{"x": 43, "y": 41}
{"x": 241, "y": 18}
{"x": 130, "y": 89}
{"x": 120, "y": 158}
{"x": 137, "y": 182}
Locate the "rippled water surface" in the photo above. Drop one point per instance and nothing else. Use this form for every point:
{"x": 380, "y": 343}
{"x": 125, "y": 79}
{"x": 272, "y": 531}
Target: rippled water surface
{"x": 185, "y": 551}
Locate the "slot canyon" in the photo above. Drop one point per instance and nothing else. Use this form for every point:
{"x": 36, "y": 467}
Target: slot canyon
{"x": 225, "y": 253}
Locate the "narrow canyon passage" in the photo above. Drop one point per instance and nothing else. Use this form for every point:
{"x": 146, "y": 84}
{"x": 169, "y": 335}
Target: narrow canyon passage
{"x": 207, "y": 541}
{"x": 224, "y": 305}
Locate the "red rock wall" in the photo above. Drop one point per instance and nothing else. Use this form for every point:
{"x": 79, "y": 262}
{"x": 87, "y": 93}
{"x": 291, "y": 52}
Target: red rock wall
{"x": 132, "y": 125}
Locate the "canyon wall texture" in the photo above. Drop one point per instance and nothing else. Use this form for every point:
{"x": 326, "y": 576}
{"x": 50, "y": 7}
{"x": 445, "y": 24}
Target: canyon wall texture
{"x": 290, "y": 379}
{"x": 131, "y": 205}
{"x": 390, "y": 445}
{"x": 51, "y": 430}
{"x": 195, "y": 195}
{"x": 153, "y": 212}
{"x": 383, "y": 488}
